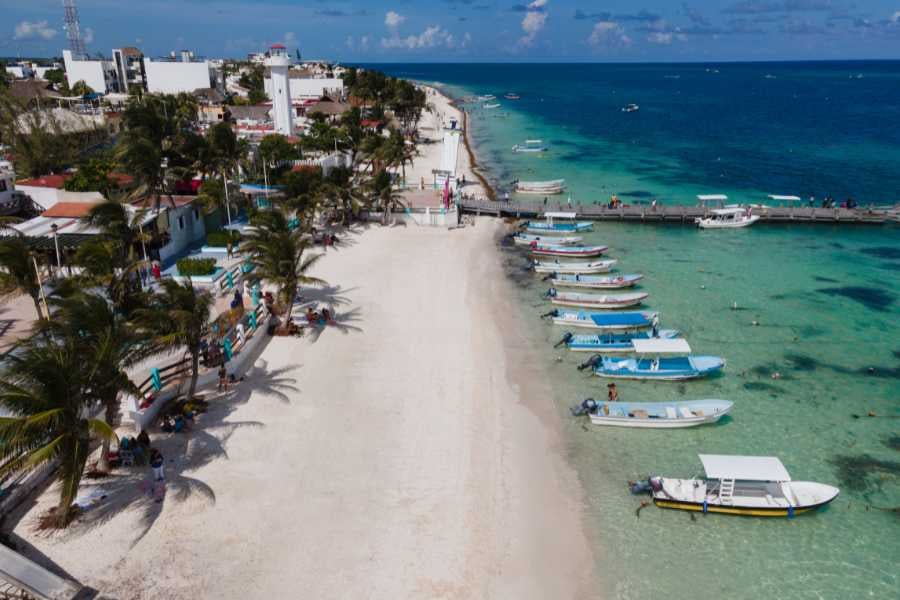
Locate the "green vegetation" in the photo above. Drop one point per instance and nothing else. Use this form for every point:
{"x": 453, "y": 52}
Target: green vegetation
{"x": 92, "y": 176}
{"x": 192, "y": 267}
{"x": 254, "y": 82}
{"x": 220, "y": 239}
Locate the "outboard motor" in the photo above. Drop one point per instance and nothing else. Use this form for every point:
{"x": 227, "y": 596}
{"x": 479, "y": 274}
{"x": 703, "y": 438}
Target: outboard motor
{"x": 587, "y": 406}
{"x": 551, "y": 293}
{"x": 647, "y": 486}
{"x": 565, "y": 340}
{"x": 552, "y": 313}
{"x": 549, "y": 277}
{"x": 590, "y": 363}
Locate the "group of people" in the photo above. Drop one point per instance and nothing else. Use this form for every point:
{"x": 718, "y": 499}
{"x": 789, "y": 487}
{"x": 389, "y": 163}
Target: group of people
{"x": 323, "y": 317}
{"x": 828, "y": 202}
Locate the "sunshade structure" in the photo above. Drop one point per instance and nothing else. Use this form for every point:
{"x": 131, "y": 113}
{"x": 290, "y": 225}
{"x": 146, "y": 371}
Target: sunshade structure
{"x": 744, "y": 468}
{"x": 661, "y": 346}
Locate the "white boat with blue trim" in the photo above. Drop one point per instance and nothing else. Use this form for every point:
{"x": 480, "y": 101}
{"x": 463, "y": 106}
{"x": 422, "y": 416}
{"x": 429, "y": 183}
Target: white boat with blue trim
{"x": 617, "y": 321}
{"x": 607, "y": 282}
{"x": 659, "y": 360}
{"x": 612, "y": 343}
{"x": 574, "y": 268}
{"x": 544, "y": 249}
{"x": 526, "y": 239}
{"x": 603, "y": 301}
{"x": 551, "y": 223}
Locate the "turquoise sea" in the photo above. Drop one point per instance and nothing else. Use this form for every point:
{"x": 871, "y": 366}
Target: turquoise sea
{"x": 806, "y": 315}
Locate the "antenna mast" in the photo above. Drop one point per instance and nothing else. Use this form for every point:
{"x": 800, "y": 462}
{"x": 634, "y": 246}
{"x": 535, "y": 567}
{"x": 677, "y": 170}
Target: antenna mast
{"x": 73, "y": 29}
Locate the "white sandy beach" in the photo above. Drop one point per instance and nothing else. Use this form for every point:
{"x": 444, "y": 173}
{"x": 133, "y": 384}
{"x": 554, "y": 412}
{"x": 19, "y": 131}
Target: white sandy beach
{"x": 392, "y": 456}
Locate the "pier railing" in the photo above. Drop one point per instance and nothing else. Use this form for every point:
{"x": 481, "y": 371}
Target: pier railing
{"x": 678, "y": 213}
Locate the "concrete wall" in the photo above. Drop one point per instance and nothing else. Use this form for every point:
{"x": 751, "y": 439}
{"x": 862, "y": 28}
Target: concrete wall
{"x": 181, "y": 237}
{"x": 92, "y": 72}
{"x": 47, "y": 197}
{"x": 166, "y": 77}
{"x": 308, "y": 88}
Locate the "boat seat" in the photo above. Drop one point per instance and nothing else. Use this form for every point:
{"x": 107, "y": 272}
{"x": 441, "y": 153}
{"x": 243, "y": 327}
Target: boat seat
{"x": 671, "y": 413}
{"x": 686, "y": 412}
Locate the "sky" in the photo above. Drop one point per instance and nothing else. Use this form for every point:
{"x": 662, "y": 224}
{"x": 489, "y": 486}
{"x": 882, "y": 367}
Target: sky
{"x": 469, "y": 30}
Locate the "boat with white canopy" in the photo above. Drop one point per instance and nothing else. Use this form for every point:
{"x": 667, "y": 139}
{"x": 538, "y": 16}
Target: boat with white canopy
{"x": 758, "y": 486}
{"x": 612, "y": 343}
{"x": 551, "y": 224}
{"x": 526, "y": 239}
{"x": 602, "y": 301}
{"x": 539, "y": 249}
{"x": 617, "y": 321}
{"x": 659, "y": 360}
{"x": 588, "y": 267}
{"x": 654, "y": 415}
{"x": 546, "y": 188}
{"x": 606, "y": 282}
{"x": 727, "y": 218}
{"x": 530, "y": 147}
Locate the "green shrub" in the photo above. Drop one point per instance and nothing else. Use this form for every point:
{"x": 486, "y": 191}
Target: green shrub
{"x": 196, "y": 266}
{"x": 219, "y": 239}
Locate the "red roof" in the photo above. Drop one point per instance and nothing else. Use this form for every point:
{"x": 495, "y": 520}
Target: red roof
{"x": 47, "y": 181}
{"x": 69, "y": 210}
{"x": 277, "y": 46}
{"x": 121, "y": 179}
{"x": 370, "y": 123}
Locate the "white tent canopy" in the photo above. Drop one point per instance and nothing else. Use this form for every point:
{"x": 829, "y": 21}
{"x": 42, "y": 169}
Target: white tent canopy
{"x": 712, "y": 197}
{"x": 746, "y": 468}
{"x": 729, "y": 211}
{"x": 661, "y": 346}
{"x": 560, "y": 215}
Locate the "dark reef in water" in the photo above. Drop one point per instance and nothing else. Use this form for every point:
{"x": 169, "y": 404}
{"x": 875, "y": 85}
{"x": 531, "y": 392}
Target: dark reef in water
{"x": 859, "y": 473}
{"x": 893, "y": 442}
{"x": 888, "y": 252}
{"x": 637, "y": 194}
{"x": 870, "y": 297}
{"x": 826, "y": 279}
{"x": 761, "y": 386}
{"x": 801, "y": 362}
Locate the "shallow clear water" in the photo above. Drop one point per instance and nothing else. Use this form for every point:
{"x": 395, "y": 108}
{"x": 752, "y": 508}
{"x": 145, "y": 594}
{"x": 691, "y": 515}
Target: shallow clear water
{"x": 816, "y": 306}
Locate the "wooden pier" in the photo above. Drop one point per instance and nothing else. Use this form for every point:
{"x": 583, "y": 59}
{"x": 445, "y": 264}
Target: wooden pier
{"x": 645, "y": 213}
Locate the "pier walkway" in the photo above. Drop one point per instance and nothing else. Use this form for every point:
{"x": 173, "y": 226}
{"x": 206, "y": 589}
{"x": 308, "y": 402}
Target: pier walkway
{"x": 646, "y": 213}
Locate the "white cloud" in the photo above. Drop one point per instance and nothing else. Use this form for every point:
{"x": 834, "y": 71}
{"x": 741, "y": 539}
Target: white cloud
{"x": 896, "y": 17}
{"x": 88, "y": 36}
{"x": 364, "y": 42}
{"x": 432, "y": 37}
{"x": 660, "y": 38}
{"x": 534, "y": 21}
{"x": 393, "y": 20}
{"x": 27, "y": 30}
{"x": 466, "y": 40}
{"x": 290, "y": 37}
{"x": 608, "y": 34}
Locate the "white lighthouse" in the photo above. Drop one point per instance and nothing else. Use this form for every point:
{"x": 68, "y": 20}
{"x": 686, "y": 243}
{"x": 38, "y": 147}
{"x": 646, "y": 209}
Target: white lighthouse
{"x": 279, "y": 62}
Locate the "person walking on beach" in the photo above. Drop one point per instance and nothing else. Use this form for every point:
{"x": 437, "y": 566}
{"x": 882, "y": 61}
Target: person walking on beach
{"x": 156, "y": 463}
{"x": 229, "y": 248}
{"x": 223, "y": 378}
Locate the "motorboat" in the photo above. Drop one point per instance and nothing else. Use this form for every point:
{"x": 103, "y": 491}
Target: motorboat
{"x": 629, "y": 108}
{"x": 555, "y": 266}
{"x": 654, "y": 415}
{"x": 727, "y": 218}
{"x": 659, "y": 360}
{"x": 530, "y": 147}
{"x": 543, "y": 188}
{"x": 602, "y": 301}
{"x": 612, "y": 343}
{"x": 551, "y": 224}
{"x": 487, "y": 97}
{"x": 606, "y": 282}
{"x": 490, "y": 105}
{"x": 540, "y": 249}
{"x": 511, "y": 96}
{"x": 617, "y": 321}
{"x": 527, "y": 239}
{"x": 757, "y": 486}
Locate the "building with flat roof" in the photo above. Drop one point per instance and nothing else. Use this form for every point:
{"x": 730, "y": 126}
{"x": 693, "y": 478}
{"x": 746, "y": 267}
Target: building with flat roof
{"x": 184, "y": 74}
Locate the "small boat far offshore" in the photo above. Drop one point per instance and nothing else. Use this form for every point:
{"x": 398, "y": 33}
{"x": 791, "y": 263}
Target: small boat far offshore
{"x": 755, "y": 486}
{"x": 545, "y": 188}
{"x": 530, "y": 147}
{"x": 490, "y": 105}
{"x": 631, "y": 108}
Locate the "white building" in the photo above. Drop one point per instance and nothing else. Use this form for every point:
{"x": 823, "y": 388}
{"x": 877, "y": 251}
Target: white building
{"x": 20, "y": 71}
{"x": 279, "y": 63}
{"x": 308, "y": 88}
{"x": 184, "y": 75}
{"x": 100, "y": 75}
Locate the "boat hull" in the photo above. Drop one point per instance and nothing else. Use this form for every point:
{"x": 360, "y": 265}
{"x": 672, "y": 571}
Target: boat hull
{"x": 668, "y": 369}
{"x": 559, "y": 228}
{"x": 567, "y": 240}
{"x": 745, "y": 511}
{"x": 716, "y": 224}
{"x": 614, "y": 346}
{"x": 606, "y": 284}
{"x": 562, "y": 300}
{"x": 607, "y": 322}
{"x": 600, "y": 266}
{"x": 569, "y": 252}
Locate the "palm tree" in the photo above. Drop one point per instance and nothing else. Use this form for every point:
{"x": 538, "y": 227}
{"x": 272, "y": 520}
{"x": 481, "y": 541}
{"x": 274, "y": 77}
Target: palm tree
{"x": 387, "y": 200}
{"x": 279, "y": 254}
{"x": 178, "y": 317}
{"x": 43, "y": 387}
{"x": 118, "y": 224}
{"x": 18, "y": 274}
{"x": 108, "y": 342}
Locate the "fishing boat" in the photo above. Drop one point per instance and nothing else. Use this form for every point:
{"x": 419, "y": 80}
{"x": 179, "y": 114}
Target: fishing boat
{"x": 555, "y": 266}
{"x": 511, "y": 96}
{"x": 543, "y": 188}
{"x": 604, "y": 301}
{"x": 612, "y": 343}
{"x": 530, "y": 147}
{"x": 550, "y": 224}
{"x": 620, "y": 321}
{"x": 604, "y": 282}
{"x": 540, "y": 249}
{"x": 487, "y": 97}
{"x": 659, "y": 360}
{"x": 654, "y": 415}
{"x": 490, "y": 105}
{"x": 757, "y": 486}
{"x": 629, "y": 108}
{"x": 727, "y": 218}
{"x": 527, "y": 239}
